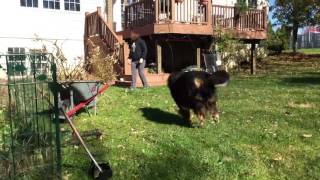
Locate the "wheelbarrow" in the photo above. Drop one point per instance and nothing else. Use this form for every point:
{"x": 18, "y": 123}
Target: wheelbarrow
{"x": 71, "y": 93}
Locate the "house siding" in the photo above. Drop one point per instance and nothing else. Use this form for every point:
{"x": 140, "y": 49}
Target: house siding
{"x": 20, "y": 26}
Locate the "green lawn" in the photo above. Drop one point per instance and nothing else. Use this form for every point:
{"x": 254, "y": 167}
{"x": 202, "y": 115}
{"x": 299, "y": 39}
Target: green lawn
{"x": 310, "y": 51}
{"x": 307, "y": 51}
{"x": 269, "y": 129}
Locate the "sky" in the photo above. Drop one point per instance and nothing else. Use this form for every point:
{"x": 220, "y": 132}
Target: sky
{"x": 271, "y": 3}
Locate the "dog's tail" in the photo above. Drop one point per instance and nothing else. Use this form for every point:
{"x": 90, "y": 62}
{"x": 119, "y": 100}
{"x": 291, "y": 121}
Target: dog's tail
{"x": 220, "y": 78}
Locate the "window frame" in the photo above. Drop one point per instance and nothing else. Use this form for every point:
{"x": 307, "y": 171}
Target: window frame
{"x": 72, "y": 5}
{"x": 29, "y": 3}
{"x": 56, "y": 5}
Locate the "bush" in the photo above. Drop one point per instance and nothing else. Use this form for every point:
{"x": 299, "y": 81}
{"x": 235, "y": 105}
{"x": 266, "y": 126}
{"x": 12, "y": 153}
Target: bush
{"x": 233, "y": 51}
{"x": 103, "y": 64}
{"x": 275, "y": 46}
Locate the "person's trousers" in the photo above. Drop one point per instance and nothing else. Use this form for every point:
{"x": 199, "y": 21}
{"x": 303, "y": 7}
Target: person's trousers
{"x": 138, "y": 67}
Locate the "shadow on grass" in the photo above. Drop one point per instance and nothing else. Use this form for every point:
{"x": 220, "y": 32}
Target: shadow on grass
{"x": 159, "y": 116}
{"x": 307, "y": 80}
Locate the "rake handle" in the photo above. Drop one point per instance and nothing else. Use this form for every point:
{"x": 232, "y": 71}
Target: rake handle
{"x": 73, "y": 127}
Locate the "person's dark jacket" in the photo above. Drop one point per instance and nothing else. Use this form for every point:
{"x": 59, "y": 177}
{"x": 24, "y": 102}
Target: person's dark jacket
{"x": 138, "y": 49}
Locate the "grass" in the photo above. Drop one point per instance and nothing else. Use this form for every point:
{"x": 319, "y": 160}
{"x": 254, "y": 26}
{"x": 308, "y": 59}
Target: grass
{"x": 269, "y": 129}
{"x": 312, "y": 51}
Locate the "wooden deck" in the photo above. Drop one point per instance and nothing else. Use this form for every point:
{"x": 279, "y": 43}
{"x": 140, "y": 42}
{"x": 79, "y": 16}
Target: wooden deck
{"x": 167, "y": 17}
{"x": 150, "y": 17}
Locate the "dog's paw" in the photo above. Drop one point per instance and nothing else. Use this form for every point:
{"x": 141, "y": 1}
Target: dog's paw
{"x": 216, "y": 117}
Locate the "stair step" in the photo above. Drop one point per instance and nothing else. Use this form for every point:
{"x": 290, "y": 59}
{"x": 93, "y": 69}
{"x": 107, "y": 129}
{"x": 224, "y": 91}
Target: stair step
{"x": 153, "y": 80}
{"x": 123, "y": 83}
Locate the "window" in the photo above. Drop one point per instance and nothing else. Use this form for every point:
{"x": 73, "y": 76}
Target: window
{"x": 39, "y": 61}
{"x": 51, "y": 4}
{"x": 72, "y": 5}
{"x": 16, "y": 50}
{"x": 18, "y": 54}
{"x": 16, "y": 61}
{"x": 29, "y": 3}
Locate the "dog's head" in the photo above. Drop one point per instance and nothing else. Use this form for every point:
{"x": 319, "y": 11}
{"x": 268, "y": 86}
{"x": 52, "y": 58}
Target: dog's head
{"x": 219, "y": 78}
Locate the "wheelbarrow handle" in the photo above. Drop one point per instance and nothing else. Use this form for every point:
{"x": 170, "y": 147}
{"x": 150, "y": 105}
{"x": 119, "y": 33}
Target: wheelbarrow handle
{"x": 73, "y": 127}
{"x": 83, "y": 104}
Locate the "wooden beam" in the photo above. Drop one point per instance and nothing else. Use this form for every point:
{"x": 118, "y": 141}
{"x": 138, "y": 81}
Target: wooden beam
{"x": 253, "y": 62}
{"x": 159, "y": 58}
{"x": 198, "y": 58}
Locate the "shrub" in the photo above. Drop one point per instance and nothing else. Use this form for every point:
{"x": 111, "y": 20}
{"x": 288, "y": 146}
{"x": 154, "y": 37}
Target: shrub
{"x": 275, "y": 46}
{"x": 103, "y": 64}
{"x": 232, "y": 51}
{"x": 100, "y": 65}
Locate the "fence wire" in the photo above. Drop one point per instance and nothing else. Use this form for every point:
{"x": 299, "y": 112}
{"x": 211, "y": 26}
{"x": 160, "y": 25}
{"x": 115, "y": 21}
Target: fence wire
{"x": 29, "y": 131}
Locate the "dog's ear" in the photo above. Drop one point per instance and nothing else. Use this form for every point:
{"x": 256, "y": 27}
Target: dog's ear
{"x": 219, "y": 78}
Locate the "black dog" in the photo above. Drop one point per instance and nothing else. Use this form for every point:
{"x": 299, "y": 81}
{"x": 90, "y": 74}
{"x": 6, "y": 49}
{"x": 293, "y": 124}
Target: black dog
{"x": 196, "y": 90}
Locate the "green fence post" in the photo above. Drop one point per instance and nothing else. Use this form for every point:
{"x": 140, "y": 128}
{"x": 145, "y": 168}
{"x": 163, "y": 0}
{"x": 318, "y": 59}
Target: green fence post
{"x": 56, "y": 118}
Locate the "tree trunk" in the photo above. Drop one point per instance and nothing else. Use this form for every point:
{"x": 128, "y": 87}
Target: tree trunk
{"x": 295, "y": 37}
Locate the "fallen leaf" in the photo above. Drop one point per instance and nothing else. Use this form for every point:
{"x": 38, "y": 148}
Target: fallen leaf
{"x": 307, "y": 135}
{"x": 278, "y": 158}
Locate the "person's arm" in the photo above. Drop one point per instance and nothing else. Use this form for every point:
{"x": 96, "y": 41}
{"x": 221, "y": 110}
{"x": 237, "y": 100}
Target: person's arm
{"x": 144, "y": 49}
{"x": 130, "y": 56}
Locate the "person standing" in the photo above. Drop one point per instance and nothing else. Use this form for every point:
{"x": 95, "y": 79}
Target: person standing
{"x": 137, "y": 59}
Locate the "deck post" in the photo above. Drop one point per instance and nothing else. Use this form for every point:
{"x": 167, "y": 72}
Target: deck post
{"x": 109, "y": 13}
{"x": 265, "y": 17}
{"x": 156, "y": 5}
{"x": 125, "y": 56}
{"x": 198, "y": 58}
{"x": 209, "y": 13}
{"x": 99, "y": 10}
{"x": 85, "y": 36}
{"x": 253, "y": 58}
{"x": 173, "y": 11}
{"x": 159, "y": 58}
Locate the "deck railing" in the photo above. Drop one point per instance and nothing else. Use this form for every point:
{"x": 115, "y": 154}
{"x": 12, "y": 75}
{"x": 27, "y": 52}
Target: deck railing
{"x": 228, "y": 17}
{"x": 95, "y": 25}
{"x": 139, "y": 14}
{"x": 147, "y": 12}
{"x": 190, "y": 11}
{"x": 161, "y": 11}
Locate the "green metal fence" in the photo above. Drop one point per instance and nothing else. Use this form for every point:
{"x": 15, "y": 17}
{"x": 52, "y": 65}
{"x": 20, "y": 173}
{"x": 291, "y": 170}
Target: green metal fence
{"x": 29, "y": 129}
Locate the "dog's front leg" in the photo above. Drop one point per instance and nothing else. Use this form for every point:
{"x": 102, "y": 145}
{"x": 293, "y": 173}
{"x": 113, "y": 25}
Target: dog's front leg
{"x": 185, "y": 113}
{"x": 201, "y": 118}
{"x": 215, "y": 112}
